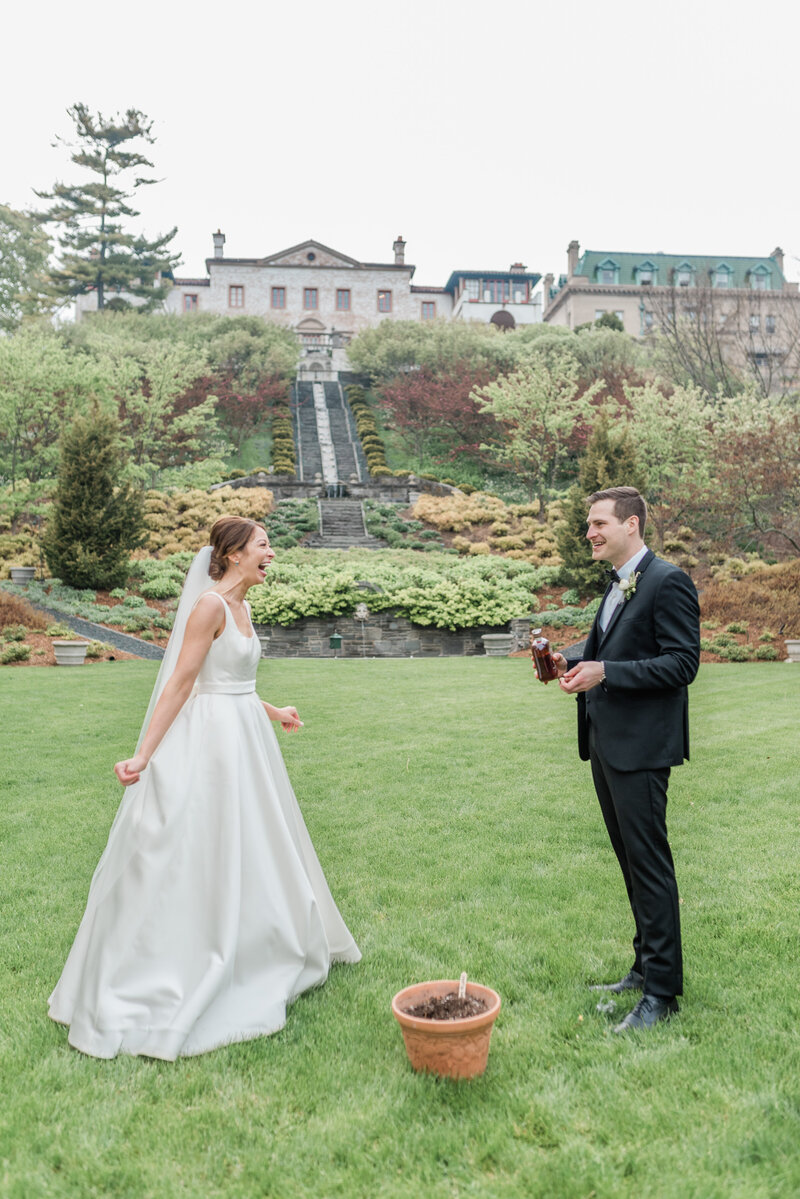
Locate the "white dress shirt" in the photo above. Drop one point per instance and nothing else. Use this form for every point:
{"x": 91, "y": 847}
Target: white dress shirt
{"x": 616, "y": 595}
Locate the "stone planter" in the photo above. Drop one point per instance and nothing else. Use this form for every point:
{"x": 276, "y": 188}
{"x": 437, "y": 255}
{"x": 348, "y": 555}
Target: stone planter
{"x": 451, "y": 1048}
{"x": 793, "y": 650}
{"x": 498, "y": 645}
{"x": 70, "y": 653}
{"x": 22, "y": 574}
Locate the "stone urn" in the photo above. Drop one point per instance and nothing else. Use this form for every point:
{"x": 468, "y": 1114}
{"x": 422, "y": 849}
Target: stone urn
{"x": 22, "y": 574}
{"x": 70, "y": 653}
{"x": 450, "y": 1048}
{"x": 793, "y": 650}
{"x": 498, "y": 645}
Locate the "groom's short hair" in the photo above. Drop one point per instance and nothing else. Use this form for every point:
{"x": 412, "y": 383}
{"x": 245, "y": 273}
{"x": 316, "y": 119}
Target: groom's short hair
{"x": 627, "y": 502}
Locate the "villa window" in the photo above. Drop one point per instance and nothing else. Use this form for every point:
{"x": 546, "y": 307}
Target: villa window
{"x": 755, "y": 323}
{"x": 598, "y": 312}
{"x": 496, "y": 291}
{"x": 190, "y": 303}
{"x": 343, "y": 299}
{"x": 683, "y": 278}
{"x": 648, "y": 320}
{"x": 236, "y": 296}
{"x": 722, "y": 278}
{"x": 279, "y": 297}
{"x": 769, "y": 324}
{"x": 608, "y": 275}
{"x": 428, "y": 310}
{"x": 472, "y": 289}
{"x": 384, "y": 301}
{"x": 759, "y": 281}
{"x": 310, "y": 297}
{"x": 644, "y": 278}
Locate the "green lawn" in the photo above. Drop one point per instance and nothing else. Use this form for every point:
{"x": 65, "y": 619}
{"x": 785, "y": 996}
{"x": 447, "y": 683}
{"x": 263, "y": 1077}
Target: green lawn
{"x": 458, "y": 831}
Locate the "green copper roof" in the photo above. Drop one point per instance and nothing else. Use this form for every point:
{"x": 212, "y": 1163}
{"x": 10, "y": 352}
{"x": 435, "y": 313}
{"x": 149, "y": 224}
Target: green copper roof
{"x": 703, "y": 268}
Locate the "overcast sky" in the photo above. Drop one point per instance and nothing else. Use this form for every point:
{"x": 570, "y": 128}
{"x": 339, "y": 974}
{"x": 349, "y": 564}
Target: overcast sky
{"x": 483, "y": 132}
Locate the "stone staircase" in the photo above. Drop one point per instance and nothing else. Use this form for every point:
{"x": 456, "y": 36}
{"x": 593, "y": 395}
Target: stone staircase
{"x": 350, "y": 459}
{"x": 306, "y": 438}
{"x": 341, "y": 524}
{"x": 325, "y": 435}
{"x": 329, "y": 453}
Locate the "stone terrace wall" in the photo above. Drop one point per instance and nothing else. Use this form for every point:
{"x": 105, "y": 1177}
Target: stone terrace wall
{"x": 383, "y": 488}
{"x": 384, "y": 636}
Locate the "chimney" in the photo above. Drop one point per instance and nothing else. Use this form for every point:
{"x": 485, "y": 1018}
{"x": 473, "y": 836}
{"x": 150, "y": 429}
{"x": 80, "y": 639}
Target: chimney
{"x": 219, "y": 242}
{"x": 573, "y": 254}
{"x": 517, "y": 268}
{"x": 777, "y": 254}
{"x": 399, "y": 248}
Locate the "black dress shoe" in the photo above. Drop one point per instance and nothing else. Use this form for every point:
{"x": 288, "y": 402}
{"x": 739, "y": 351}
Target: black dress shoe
{"x": 648, "y": 1011}
{"x": 631, "y": 982}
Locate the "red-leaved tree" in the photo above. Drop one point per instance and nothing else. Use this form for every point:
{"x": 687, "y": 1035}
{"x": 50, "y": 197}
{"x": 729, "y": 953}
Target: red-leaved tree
{"x": 429, "y": 406}
{"x": 241, "y": 412}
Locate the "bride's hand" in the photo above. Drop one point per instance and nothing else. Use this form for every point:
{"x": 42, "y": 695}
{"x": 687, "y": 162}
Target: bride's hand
{"x": 130, "y": 770}
{"x": 289, "y": 720}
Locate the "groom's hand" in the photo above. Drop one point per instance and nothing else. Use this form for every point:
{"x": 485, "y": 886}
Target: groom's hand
{"x": 561, "y": 665}
{"x": 582, "y": 677}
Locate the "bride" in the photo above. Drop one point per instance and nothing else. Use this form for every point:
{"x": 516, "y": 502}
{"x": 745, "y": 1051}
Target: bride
{"x": 208, "y": 912}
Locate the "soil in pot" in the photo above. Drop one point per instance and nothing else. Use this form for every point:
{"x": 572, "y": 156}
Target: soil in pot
{"x": 447, "y": 1007}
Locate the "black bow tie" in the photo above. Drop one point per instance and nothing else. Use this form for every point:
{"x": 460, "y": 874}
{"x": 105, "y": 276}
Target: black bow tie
{"x": 612, "y": 574}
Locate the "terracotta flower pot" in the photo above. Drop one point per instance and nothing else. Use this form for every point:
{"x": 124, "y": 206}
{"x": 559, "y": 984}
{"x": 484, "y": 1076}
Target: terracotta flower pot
{"x": 452, "y": 1048}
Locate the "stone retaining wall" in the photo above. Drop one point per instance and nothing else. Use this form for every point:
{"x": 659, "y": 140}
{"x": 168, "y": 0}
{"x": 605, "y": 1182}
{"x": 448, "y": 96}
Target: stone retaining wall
{"x": 384, "y": 488}
{"x": 384, "y": 635}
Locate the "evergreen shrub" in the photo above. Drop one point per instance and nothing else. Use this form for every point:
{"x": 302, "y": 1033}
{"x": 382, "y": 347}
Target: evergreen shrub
{"x": 94, "y": 522}
{"x": 15, "y": 653}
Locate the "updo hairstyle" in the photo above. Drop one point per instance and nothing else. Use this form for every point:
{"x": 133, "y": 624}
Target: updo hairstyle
{"x": 228, "y": 534}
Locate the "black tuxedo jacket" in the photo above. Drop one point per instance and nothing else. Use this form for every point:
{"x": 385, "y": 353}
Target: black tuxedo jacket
{"x": 651, "y": 651}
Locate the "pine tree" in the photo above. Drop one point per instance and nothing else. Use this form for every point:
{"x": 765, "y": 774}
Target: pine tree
{"x": 609, "y": 461}
{"x": 97, "y": 252}
{"x": 94, "y": 522}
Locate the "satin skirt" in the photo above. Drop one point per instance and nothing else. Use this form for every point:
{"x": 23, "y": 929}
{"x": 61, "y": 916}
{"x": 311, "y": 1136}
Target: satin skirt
{"x": 208, "y": 912}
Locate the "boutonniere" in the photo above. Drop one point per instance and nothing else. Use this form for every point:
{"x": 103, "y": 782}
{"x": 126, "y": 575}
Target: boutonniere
{"x": 628, "y": 586}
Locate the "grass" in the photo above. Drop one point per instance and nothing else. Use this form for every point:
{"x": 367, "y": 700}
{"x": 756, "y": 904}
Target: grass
{"x": 458, "y": 831}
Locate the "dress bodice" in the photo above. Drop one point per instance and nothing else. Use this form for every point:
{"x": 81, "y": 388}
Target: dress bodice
{"x": 232, "y": 660}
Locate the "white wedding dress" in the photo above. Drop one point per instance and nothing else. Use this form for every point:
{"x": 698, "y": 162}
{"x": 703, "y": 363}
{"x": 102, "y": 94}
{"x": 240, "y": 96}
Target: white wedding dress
{"x": 208, "y": 912}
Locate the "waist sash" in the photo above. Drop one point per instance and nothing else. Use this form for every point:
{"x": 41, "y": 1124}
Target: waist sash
{"x": 240, "y": 688}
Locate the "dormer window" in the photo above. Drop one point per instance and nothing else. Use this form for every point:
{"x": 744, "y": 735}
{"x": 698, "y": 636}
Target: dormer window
{"x": 607, "y": 272}
{"x": 645, "y": 274}
{"x": 721, "y": 277}
{"x": 760, "y": 279}
{"x": 684, "y": 275}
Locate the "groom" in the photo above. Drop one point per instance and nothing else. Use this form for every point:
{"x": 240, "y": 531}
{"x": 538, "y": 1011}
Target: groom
{"x": 633, "y": 725}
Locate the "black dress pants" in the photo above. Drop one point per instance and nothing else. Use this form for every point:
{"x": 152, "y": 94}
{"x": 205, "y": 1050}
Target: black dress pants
{"x": 634, "y": 807}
